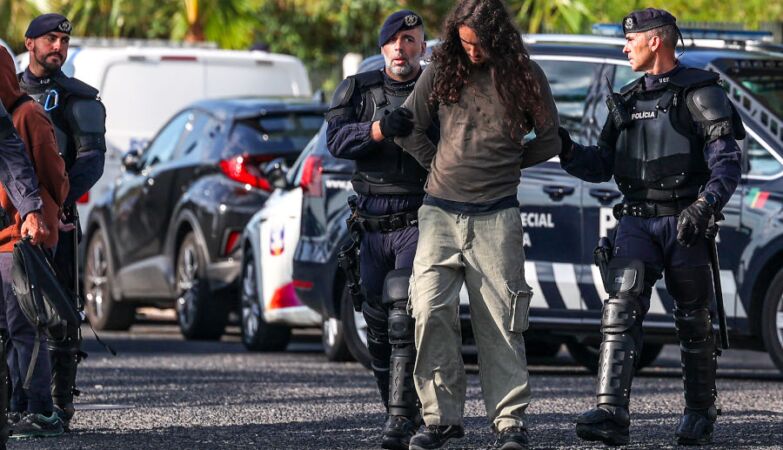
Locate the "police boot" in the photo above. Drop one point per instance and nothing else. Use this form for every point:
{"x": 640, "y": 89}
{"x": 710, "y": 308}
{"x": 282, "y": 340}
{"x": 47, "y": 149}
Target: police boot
{"x": 378, "y": 346}
{"x": 404, "y": 417}
{"x": 692, "y": 289}
{"x": 65, "y": 356}
{"x": 609, "y": 422}
{"x": 5, "y": 386}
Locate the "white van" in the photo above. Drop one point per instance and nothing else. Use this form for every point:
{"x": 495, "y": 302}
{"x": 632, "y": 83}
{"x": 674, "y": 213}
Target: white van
{"x": 142, "y": 86}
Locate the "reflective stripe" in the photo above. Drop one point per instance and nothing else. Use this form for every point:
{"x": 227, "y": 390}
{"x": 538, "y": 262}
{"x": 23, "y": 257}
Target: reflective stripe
{"x": 565, "y": 279}
{"x": 531, "y": 277}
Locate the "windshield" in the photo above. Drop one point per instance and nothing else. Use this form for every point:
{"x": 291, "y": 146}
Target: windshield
{"x": 273, "y": 134}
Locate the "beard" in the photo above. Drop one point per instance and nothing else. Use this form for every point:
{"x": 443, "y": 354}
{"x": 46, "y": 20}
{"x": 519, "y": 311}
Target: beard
{"x": 50, "y": 67}
{"x": 403, "y": 70}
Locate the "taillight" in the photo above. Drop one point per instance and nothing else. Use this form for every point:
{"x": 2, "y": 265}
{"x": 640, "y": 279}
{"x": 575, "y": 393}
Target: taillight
{"x": 311, "y": 176}
{"x": 303, "y": 284}
{"x": 231, "y": 242}
{"x": 84, "y": 198}
{"x": 244, "y": 169}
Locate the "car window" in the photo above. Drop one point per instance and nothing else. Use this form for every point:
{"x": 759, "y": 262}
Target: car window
{"x": 622, "y": 76}
{"x": 273, "y": 133}
{"x": 194, "y": 135}
{"x": 570, "y": 81}
{"x": 761, "y": 161}
{"x": 162, "y": 148}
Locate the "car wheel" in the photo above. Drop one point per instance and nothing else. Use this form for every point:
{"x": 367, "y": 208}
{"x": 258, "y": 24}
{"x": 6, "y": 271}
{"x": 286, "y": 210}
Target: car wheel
{"x": 199, "y": 314}
{"x": 257, "y": 334}
{"x": 333, "y": 339}
{"x": 772, "y": 320}
{"x": 587, "y": 354}
{"x": 103, "y": 312}
{"x": 354, "y": 330}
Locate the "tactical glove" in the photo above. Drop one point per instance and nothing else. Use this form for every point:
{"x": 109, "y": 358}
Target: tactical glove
{"x": 694, "y": 222}
{"x": 566, "y": 144}
{"x": 398, "y": 123}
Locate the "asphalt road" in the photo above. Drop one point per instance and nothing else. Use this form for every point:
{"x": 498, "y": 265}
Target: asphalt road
{"x": 163, "y": 392}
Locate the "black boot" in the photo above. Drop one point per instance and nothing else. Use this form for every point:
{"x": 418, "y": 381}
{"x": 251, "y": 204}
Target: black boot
{"x": 692, "y": 290}
{"x": 436, "y": 436}
{"x": 398, "y": 431}
{"x": 609, "y": 422}
{"x": 65, "y": 356}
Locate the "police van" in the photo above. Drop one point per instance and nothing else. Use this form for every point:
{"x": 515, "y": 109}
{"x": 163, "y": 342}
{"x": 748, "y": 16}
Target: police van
{"x": 564, "y": 217}
{"x": 143, "y": 83}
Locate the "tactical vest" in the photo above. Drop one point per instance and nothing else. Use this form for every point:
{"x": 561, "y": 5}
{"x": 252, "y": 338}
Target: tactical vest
{"x": 660, "y": 156}
{"x": 387, "y": 169}
{"x": 56, "y": 97}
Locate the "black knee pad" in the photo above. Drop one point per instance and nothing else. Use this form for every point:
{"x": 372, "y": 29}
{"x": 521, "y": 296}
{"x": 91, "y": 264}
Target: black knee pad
{"x": 395, "y": 286}
{"x": 401, "y": 325}
{"x": 691, "y": 287}
{"x": 377, "y": 319}
{"x": 620, "y": 315}
{"x": 625, "y": 276}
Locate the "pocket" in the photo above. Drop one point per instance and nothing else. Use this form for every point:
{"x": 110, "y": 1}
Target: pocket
{"x": 520, "y": 294}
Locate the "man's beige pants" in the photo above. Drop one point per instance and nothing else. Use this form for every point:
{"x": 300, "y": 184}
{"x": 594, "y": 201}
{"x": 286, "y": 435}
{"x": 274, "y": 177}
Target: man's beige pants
{"x": 485, "y": 252}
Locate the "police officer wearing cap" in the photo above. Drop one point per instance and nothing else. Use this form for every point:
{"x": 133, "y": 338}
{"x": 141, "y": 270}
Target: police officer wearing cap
{"x": 362, "y": 121}
{"x": 79, "y": 122}
{"x": 670, "y": 143}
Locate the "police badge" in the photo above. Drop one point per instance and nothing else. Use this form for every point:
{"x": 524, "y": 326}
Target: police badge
{"x": 628, "y": 24}
{"x": 411, "y": 20}
{"x": 65, "y": 27}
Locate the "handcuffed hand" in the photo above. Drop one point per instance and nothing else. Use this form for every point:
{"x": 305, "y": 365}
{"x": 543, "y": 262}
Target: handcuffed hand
{"x": 35, "y": 228}
{"x": 566, "y": 144}
{"x": 694, "y": 222}
{"x": 397, "y": 123}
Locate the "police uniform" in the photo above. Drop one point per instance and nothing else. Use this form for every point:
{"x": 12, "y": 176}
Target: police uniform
{"x": 79, "y": 120}
{"x": 670, "y": 143}
{"x": 389, "y": 184}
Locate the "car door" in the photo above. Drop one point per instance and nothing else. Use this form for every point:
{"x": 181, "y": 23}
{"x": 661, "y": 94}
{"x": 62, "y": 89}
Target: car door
{"x": 550, "y": 202}
{"x": 146, "y": 202}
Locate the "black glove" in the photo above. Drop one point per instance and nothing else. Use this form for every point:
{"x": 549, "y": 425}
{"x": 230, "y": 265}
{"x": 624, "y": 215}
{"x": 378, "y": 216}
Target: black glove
{"x": 694, "y": 222}
{"x": 397, "y": 123}
{"x": 566, "y": 144}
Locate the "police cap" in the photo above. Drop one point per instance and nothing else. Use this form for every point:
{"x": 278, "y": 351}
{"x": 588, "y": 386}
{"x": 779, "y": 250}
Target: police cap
{"x": 647, "y": 19}
{"x": 404, "y": 19}
{"x": 46, "y": 23}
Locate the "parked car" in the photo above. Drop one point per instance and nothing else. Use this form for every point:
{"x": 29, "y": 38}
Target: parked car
{"x": 167, "y": 232}
{"x": 143, "y": 83}
{"x": 564, "y": 217}
{"x": 268, "y": 303}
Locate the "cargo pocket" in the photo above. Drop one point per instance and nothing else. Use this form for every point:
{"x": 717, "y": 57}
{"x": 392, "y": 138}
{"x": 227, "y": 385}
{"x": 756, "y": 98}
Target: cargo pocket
{"x": 520, "y": 294}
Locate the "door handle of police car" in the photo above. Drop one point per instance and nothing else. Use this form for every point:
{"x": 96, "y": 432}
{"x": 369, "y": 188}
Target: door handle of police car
{"x": 557, "y": 192}
{"x": 605, "y": 196}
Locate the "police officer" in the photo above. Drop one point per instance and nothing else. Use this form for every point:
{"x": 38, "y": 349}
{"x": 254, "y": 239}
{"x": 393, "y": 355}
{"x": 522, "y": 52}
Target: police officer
{"x": 362, "y": 121}
{"x": 670, "y": 144}
{"x": 79, "y": 122}
{"x": 18, "y": 177}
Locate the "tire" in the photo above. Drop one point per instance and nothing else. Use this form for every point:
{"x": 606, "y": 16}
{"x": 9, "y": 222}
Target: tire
{"x": 354, "y": 330}
{"x": 587, "y": 355}
{"x": 333, "y": 340}
{"x": 199, "y": 314}
{"x": 103, "y": 311}
{"x": 257, "y": 334}
{"x": 772, "y": 320}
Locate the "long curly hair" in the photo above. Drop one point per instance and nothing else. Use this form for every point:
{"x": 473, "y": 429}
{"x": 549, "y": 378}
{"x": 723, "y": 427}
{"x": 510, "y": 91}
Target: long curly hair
{"x": 509, "y": 61}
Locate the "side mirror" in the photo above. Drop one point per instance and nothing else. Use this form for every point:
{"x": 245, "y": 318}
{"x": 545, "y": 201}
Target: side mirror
{"x": 131, "y": 161}
{"x": 275, "y": 171}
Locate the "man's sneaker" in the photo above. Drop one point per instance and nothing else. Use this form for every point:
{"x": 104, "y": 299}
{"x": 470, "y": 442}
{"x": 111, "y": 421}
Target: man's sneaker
{"x": 398, "y": 431}
{"x": 435, "y": 436}
{"x": 513, "y": 438}
{"x": 38, "y": 425}
{"x": 13, "y": 417}
{"x": 696, "y": 426}
{"x": 606, "y": 424}
{"x": 65, "y": 414}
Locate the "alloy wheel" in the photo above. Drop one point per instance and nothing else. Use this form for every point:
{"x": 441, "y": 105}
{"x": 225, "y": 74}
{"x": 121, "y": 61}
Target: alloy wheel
{"x": 96, "y": 278}
{"x": 187, "y": 284}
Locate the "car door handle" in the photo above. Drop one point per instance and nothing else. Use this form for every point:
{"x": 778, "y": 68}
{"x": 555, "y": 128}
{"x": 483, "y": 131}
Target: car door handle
{"x": 557, "y": 192}
{"x": 605, "y": 196}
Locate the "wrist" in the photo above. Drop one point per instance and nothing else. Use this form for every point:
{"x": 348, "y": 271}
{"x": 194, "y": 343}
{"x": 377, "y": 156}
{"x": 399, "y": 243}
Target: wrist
{"x": 375, "y": 131}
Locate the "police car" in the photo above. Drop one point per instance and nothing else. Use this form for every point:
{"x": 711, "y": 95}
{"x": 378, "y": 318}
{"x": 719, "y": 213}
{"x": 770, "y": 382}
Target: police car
{"x": 564, "y": 217}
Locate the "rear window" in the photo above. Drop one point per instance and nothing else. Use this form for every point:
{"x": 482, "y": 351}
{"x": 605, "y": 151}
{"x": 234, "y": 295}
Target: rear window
{"x": 766, "y": 88}
{"x": 273, "y": 134}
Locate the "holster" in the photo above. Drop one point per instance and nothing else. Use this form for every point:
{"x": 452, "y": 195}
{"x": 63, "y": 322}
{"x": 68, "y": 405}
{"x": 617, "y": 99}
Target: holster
{"x": 348, "y": 258}
{"x": 602, "y": 255}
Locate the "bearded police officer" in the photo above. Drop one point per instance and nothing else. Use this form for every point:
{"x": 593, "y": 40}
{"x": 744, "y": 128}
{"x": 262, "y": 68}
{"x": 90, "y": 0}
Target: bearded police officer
{"x": 79, "y": 122}
{"x": 362, "y": 121}
{"x": 670, "y": 143}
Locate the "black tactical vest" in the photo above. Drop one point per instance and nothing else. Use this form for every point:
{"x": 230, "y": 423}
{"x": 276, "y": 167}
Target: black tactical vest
{"x": 660, "y": 156}
{"x": 387, "y": 170}
{"x": 55, "y": 96}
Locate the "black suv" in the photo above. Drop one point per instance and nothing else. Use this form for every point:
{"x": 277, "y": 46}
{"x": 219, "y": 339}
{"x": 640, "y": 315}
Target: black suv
{"x": 563, "y": 217}
{"x": 168, "y": 231}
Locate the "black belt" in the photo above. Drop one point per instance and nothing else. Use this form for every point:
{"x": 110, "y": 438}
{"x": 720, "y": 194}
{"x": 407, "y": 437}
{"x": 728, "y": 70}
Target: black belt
{"x": 387, "y": 223}
{"x": 649, "y": 209}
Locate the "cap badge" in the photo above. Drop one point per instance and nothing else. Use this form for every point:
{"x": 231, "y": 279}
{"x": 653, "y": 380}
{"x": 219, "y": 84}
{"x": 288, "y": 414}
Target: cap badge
{"x": 628, "y": 23}
{"x": 65, "y": 26}
{"x": 411, "y": 20}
